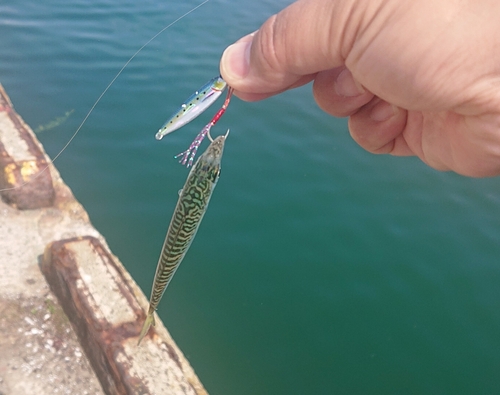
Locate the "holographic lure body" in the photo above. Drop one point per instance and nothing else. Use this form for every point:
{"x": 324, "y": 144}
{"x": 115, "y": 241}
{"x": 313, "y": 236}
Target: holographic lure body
{"x": 197, "y": 103}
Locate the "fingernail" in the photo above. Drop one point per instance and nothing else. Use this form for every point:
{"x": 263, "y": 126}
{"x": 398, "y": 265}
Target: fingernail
{"x": 346, "y": 86}
{"x": 382, "y": 111}
{"x": 236, "y": 59}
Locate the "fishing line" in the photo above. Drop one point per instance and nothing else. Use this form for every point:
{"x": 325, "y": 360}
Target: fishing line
{"x": 102, "y": 94}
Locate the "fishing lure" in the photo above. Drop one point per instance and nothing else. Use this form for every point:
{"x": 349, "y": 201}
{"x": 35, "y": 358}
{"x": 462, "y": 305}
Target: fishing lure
{"x": 187, "y": 156}
{"x": 197, "y": 103}
{"x": 191, "y": 206}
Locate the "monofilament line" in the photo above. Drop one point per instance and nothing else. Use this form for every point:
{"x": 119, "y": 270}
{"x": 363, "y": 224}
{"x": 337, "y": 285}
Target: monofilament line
{"x": 103, "y": 93}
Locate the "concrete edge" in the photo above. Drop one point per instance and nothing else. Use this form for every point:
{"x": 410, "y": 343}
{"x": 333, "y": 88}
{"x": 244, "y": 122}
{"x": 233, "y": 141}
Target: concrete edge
{"x": 102, "y": 301}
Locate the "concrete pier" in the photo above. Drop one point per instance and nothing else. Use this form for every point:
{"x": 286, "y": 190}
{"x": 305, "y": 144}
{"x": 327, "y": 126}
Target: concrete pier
{"x": 70, "y": 314}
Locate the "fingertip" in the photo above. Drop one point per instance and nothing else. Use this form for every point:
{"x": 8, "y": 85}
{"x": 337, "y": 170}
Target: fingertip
{"x": 378, "y": 128}
{"x": 338, "y": 93}
{"x": 345, "y": 85}
{"x": 235, "y": 61}
{"x": 383, "y": 111}
{"x": 243, "y": 74}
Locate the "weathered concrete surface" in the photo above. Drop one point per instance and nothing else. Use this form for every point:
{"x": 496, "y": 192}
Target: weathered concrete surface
{"x": 99, "y": 296}
{"x": 40, "y": 353}
{"x": 24, "y": 183}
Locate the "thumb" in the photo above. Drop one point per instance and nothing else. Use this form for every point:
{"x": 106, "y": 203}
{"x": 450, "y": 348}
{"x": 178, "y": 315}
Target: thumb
{"x": 291, "y": 47}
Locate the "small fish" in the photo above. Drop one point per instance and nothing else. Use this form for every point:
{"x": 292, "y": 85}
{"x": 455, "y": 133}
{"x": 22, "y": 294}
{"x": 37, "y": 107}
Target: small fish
{"x": 55, "y": 123}
{"x": 188, "y": 213}
{"x": 197, "y": 103}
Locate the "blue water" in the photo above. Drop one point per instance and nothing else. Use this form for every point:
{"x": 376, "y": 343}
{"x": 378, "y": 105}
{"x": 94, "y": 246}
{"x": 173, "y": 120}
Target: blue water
{"x": 319, "y": 268}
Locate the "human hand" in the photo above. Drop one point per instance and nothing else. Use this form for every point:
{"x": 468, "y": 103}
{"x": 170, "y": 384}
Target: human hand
{"x": 414, "y": 77}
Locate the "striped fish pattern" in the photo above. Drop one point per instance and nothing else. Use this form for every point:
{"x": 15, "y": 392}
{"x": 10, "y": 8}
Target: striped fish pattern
{"x": 191, "y": 206}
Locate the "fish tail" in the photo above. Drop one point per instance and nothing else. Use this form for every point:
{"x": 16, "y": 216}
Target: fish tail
{"x": 150, "y": 320}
